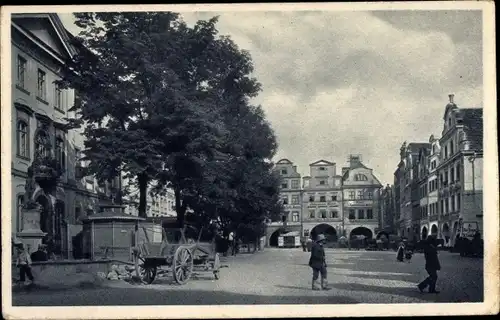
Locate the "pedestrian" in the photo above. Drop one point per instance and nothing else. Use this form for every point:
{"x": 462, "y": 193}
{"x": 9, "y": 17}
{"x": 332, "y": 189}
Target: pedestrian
{"x": 401, "y": 252}
{"x": 303, "y": 244}
{"x": 40, "y": 254}
{"x": 432, "y": 265}
{"x": 318, "y": 263}
{"x": 23, "y": 262}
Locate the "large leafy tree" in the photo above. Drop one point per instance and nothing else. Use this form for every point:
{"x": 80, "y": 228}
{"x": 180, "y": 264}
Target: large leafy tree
{"x": 127, "y": 78}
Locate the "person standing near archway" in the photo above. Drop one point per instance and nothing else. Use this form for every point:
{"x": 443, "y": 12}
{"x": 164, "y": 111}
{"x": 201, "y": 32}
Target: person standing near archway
{"x": 318, "y": 263}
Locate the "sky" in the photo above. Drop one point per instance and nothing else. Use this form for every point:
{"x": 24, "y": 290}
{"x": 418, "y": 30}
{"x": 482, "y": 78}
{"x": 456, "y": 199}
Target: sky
{"x": 361, "y": 82}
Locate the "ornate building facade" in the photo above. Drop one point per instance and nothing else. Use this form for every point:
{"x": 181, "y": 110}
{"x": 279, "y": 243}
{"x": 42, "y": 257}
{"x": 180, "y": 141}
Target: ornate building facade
{"x": 46, "y": 165}
{"x": 448, "y": 174}
{"x": 322, "y": 201}
{"x": 291, "y": 198}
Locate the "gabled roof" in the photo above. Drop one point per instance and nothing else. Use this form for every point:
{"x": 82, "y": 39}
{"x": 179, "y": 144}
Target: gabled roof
{"x": 473, "y": 126}
{"x": 322, "y": 162}
{"x": 57, "y": 27}
{"x": 415, "y": 147}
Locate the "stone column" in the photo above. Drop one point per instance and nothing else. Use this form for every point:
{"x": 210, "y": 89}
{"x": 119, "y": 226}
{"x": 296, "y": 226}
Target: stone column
{"x": 31, "y": 234}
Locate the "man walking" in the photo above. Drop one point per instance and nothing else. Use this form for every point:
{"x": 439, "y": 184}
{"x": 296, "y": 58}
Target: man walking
{"x": 432, "y": 265}
{"x": 318, "y": 264}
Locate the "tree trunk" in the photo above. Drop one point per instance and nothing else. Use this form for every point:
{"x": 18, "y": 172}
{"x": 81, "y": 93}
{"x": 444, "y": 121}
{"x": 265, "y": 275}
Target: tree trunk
{"x": 143, "y": 189}
{"x": 180, "y": 209}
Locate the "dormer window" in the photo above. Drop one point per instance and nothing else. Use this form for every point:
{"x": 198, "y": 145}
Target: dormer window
{"x": 360, "y": 177}
{"x": 284, "y": 171}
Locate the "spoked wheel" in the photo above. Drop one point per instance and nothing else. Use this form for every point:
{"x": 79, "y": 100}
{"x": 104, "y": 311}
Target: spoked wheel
{"x": 216, "y": 266}
{"x": 182, "y": 267}
{"x": 146, "y": 273}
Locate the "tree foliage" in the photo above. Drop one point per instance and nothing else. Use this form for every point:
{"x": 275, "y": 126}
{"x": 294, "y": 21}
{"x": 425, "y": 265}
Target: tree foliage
{"x": 165, "y": 102}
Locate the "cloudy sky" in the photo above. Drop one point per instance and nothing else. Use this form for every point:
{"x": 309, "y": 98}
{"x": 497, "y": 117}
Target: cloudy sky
{"x": 340, "y": 83}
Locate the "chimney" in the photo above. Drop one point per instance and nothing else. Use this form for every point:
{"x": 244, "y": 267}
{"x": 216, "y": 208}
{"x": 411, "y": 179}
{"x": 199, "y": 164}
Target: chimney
{"x": 451, "y": 96}
{"x": 295, "y": 168}
{"x": 353, "y": 160}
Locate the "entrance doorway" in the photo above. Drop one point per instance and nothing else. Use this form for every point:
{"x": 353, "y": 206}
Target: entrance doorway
{"x": 424, "y": 233}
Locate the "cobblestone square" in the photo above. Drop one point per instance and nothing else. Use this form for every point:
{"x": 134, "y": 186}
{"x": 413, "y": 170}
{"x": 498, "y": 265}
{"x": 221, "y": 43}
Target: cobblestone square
{"x": 282, "y": 276}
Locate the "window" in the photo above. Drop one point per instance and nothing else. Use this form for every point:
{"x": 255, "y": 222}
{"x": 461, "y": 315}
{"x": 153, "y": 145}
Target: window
{"x": 285, "y": 200}
{"x": 352, "y": 214}
{"x": 295, "y": 199}
{"x": 446, "y": 152}
{"x": 20, "y": 202}
{"x": 284, "y": 171}
{"x": 442, "y": 207}
{"x": 449, "y": 122}
{"x": 23, "y": 139}
{"x": 311, "y": 198}
{"x": 60, "y": 154}
{"x": 41, "y": 84}
{"x": 446, "y": 205}
{"x": 334, "y": 197}
{"x": 78, "y": 213}
{"x": 452, "y": 174}
{"x": 352, "y": 194}
{"x": 457, "y": 175}
{"x": 322, "y": 199}
{"x": 58, "y": 97}
{"x": 42, "y": 143}
{"x": 452, "y": 200}
{"x": 321, "y": 182}
{"x": 433, "y": 164}
{"x": 360, "y": 194}
{"x": 284, "y": 185}
{"x": 458, "y": 201}
{"x": 312, "y": 214}
{"x": 295, "y": 184}
{"x": 369, "y": 214}
{"x": 295, "y": 216}
{"x": 334, "y": 214}
{"x": 323, "y": 213}
{"x": 451, "y": 147}
{"x": 21, "y": 71}
{"x": 361, "y": 214}
{"x": 370, "y": 195}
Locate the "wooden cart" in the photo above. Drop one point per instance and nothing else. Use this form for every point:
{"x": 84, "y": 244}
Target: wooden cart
{"x": 176, "y": 252}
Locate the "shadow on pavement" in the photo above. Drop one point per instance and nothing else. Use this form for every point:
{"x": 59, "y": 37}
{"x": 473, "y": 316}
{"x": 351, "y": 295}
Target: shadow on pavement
{"x": 114, "y": 297}
{"x": 402, "y": 277}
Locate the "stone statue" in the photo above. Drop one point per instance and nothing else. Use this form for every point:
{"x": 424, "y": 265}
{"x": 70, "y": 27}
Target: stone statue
{"x": 30, "y": 187}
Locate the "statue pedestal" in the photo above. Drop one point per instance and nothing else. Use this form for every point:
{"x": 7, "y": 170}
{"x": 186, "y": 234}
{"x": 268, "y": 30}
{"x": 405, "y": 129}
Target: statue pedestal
{"x": 31, "y": 234}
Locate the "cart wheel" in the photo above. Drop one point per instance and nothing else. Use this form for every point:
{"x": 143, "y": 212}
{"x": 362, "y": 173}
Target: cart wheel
{"x": 182, "y": 265}
{"x": 216, "y": 266}
{"x": 146, "y": 274}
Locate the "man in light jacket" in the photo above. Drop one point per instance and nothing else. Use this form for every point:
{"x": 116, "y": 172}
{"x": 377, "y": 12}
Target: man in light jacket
{"x": 318, "y": 263}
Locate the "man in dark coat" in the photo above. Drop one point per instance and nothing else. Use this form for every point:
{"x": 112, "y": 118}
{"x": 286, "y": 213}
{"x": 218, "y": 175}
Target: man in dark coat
{"x": 432, "y": 265}
{"x": 318, "y": 263}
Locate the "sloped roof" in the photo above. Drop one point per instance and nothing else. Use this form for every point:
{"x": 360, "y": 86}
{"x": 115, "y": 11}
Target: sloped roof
{"x": 284, "y": 161}
{"x": 415, "y": 147}
{"x": 473, "y": 126}
{"x": 321, "y": 162}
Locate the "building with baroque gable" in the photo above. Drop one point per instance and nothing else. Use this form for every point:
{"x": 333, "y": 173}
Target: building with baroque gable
{"x": 46, "y": 165}
{"x": 291, "y": 198}
{"x": 322, "y": 201}
{"x": 360, "y": 199}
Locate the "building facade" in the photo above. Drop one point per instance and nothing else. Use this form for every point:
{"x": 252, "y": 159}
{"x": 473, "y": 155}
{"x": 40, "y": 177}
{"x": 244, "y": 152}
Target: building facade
{"x": 291, "y": 198}
{"x": 322, "y": 201}
{"x": 387, "y": 209}
{"x": 360, "y": 198}
{"x": 156, "y": 206}
{"x": 448, "y": 176}
{"x": 46, "y": 165}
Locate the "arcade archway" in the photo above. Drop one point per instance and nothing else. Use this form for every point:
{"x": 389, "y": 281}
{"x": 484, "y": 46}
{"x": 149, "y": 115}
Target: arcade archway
{"x": 273, "y": 239}
{"x": 434, "y": 230}
{"x": 446, "y": 233}
{"x": 382, "y": 234}
{"x": 362, "y": 231}
{"x": 327, "y": 230}
{"x": 424, "y": 233}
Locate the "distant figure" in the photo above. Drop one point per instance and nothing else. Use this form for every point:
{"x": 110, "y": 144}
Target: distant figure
{"x": 401, "y": 252}
{"x": 232, "y": 243}
{"x": 40, "y": 254}
{"x": 318, "y": 263}
{"x": 303, "y": 244}
{"x": 432, "y": 265}
{"x": 23, "y": 262}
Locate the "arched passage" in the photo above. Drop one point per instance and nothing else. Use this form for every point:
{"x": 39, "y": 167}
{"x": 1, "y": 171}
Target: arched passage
{"x": 434, "y": 230}
{"x": 273, "y": 239}
{"x": 446, "y": 233}
{"x": 327, "y": 230}
{"x": 382, "y": 233}
{"x": 424, "y": 233}
{"x": 362, "y": 231}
